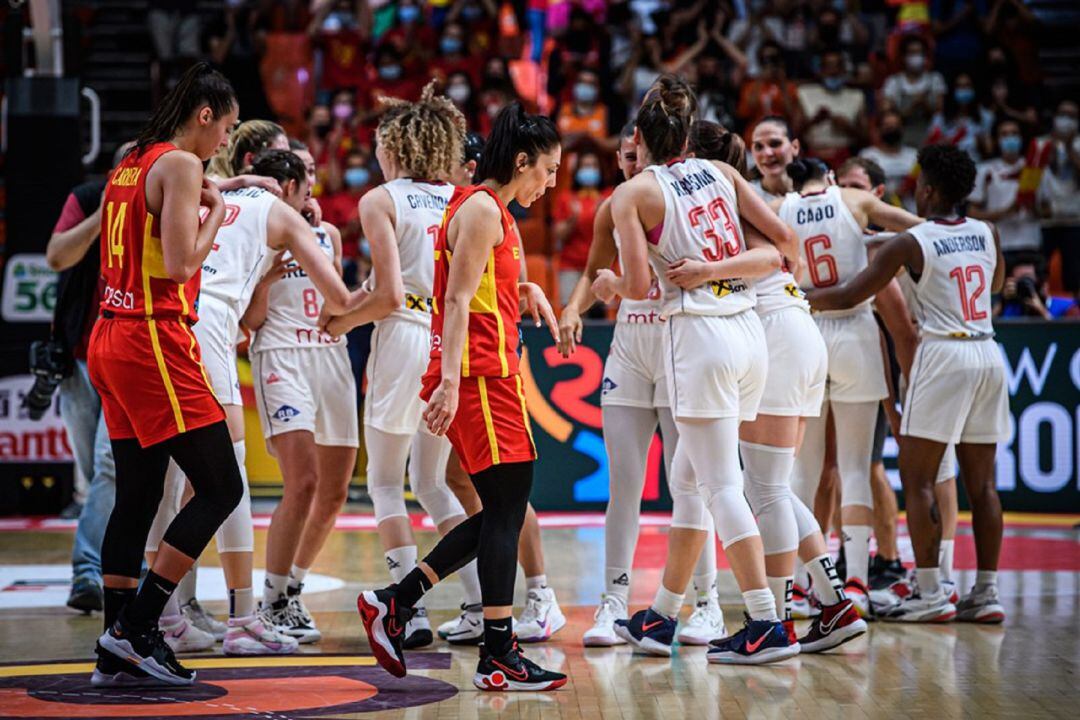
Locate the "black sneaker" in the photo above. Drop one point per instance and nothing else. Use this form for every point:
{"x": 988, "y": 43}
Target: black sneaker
{"x": 514, "y": 671}
{"x": 384, "y": 621}
{"x": 884, "y": 573}
{"x": 145, "y": 650}
{"x": 111, "y": 671}
{"x": 86, "y": 595}
{"x": 418, "y": 631}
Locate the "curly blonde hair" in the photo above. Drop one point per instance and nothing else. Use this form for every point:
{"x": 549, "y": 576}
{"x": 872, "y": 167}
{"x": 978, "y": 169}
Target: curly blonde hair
{"x": 427, "y": 137}
{"x": 249, "y": 137}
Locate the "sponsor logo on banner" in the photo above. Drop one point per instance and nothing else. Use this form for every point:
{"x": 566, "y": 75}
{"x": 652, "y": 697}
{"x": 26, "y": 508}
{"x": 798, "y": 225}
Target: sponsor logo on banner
{"x": 23, "y": 440}
{"x": 29, "y": 293}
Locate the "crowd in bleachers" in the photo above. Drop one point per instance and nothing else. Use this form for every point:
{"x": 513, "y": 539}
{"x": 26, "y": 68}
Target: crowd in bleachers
{"x": 876, "y": 78}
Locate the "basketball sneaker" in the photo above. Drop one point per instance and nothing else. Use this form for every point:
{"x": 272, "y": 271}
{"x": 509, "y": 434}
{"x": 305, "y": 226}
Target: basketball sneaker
{"x": 249, "y": 636}
{"x": 384, "y": 622}
{"x": 203, "y": 620}
{"x": 759, "y": 642}
{"x": 884, "y": 600}
{"x": 648, "y": 631}
{"x": 541, "y": 617}
{"x": 833, "y": 627}
{"x": 145, "y": 650}
{"x": 467, "y": 628}
{"x": 949, "y": 588}
{"x": 803, "y": 604}
{"x": 301, "y": 625}
{"x": 183, "y": 636}
{"x": 884, "y": 573}
{"x": 111, "y": 671}
{"x": 513, "y": 671}
{"x": 418, "y": 631}
{"x": 919, "y": 608}
{"x": 981, "y": 605}
{"x": 602, "y": 633}
{"x": 705, "y": 624}
{"x": 857, "y": 592}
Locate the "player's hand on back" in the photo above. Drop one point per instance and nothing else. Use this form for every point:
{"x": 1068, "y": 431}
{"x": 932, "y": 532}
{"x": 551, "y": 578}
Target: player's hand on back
{"x": 266, "y": 183}
{"x": 536, "y": 304}
{"x": 278, "y": 270}
{"x": 688, "y": 274}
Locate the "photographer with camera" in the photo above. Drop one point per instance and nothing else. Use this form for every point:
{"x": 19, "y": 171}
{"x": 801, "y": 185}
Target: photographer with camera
{"x": 73, "y": 252}
{"x": 1026, "y": 292}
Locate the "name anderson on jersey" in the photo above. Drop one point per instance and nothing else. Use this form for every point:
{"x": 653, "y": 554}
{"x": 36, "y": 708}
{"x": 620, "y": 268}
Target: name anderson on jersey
{"x": 963, "y": 243}
{"x": 692, "y": 182}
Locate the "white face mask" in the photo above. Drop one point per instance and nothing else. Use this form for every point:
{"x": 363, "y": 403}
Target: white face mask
{"x": 458, "y": 92}
{"x": 1065, "y": 125}
{"x": 915, "y": 63}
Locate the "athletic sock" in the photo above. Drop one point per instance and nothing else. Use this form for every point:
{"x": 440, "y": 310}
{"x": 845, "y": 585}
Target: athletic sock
{"x": 802, "y": 575}
{"x": 929, "y": 580}
{"x": 985, "y": 579}
{"x": 470, "y": 584}
{"x": 705, "y": 586}
{"x": 115, "y": 601}
{"x": 297, "y": 575}
{"x": 274, "y": 588}
{"x": 667, "y": 603}
{"x": 827, "y": 583}
{"x": 241, "y": 602}
{"x": 857, "y": 551}
{"x": 185, "y": 589}
{"x": 536, "y": 582}
{"x": 412, "y": 587}
{"x": 617, "y": 582}
{"x": 781, "y": 590}
{"x": 760, "y": 604}
{"x": 399, "y": 561}
{"x": 498, "y": 635}
{"x": 172, "y": 607}
{"x": 151, "y": 599}
{"x": 945, "y": 559}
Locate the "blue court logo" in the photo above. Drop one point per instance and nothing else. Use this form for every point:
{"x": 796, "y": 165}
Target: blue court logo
{"x": 285, "y": 413}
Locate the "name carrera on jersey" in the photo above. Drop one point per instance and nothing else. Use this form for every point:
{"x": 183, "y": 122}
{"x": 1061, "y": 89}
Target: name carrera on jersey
{"x": 693, "y": 182}
{"x": 962, "y": 243}
{"x": 426, "y": 202}
{"x": 814, "y": 214}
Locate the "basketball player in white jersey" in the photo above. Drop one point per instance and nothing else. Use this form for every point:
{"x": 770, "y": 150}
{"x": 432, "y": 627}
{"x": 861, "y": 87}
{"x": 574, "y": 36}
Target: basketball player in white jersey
{"x": 956, "y": 264}
{"x": 633, "y": 401}
{"x": 401, "y": 219}
{"x": 306, "y": 397}
{"x": 674, "y": 212}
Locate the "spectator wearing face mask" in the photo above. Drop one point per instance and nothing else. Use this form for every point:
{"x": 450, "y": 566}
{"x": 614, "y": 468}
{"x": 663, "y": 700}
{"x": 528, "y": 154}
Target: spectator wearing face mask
{"x": 895, "y": 158}
{"x": 390, "y": 79}
{"x": 411, "y": 35}
{"x": 916, "y": 92}
{"x": 997, "y": 195}
{"x": 496, "y": 91}
{"x": 771, "y": 93}
{"x": 460, "y": 90}
{"x": 1059, "y": 192}
{"x": 834, "y": 111}
{"x": 573, "y": 214}
{"x": 341, "y": 37}
{"x": 964, "y": 121}
{"x": 453, "y": 55}
{"x": 1026, "y": 292}
{"x": 345, "y": 188}
{"x": 584, "y": 115}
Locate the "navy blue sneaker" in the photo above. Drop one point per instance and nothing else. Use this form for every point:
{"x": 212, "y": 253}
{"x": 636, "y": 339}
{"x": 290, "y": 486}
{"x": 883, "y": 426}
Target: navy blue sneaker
{"x": 759, "y": 642}
{"x": 648, "y": 631}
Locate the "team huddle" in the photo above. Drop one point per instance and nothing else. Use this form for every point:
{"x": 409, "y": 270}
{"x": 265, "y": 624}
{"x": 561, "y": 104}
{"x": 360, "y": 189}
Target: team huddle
{"x": 714, "y": 341}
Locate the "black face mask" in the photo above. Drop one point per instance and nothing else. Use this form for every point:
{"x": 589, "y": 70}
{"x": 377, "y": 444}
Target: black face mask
{"x": 892, "y": 137}
{"x": 322, "y": 130}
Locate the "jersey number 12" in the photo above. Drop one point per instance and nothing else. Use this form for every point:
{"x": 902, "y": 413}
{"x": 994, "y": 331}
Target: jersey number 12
{"x": 963, "y": 276}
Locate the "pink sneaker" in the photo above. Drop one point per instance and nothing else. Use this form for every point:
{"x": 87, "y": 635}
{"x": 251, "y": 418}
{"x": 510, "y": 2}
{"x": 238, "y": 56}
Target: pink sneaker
{"x": 248, "y": 636}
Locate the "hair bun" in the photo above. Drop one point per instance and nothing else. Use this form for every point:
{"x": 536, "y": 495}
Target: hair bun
{"x": 799, "y": 171}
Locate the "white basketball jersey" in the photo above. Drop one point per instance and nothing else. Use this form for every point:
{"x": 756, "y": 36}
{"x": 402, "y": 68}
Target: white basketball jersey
{"x": 419, "y": 206}
{"x": 232, "y": 268}
{"x": 831, "y": 242}
{"x": 639, "y": 312}
{"x": 701, "y": 222}
{"x": 953, "y": 289}
{"x": 292, "y": 318}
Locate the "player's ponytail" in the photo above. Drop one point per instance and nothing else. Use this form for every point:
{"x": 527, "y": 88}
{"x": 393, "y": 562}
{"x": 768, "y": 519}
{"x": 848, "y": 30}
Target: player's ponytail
{"x": 665, "y": 116}
{"x": 252, "y": 137}
{"x": 712, "y": 141}
{"x": 803, "y": 170}
{"x": 515, "y": 131}
{"x": 200, "y": 86}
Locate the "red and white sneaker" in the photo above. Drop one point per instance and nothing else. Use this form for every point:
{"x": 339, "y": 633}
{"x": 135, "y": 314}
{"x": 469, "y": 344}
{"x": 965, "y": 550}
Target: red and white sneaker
{"x": 919, "y": 608}
{"x": 835, "y": 626}
{"x": 949, "y": 588}
{"x": 384, "y": 621}
{"x": 859, "y": 594}
{"x": 803, "y": 604}
{"x": 513, "y": 671}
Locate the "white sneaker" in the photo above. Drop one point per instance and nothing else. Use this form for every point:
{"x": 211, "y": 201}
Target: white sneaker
{"x": 541, "y": 617}
{"x": 949, "y": 588}
{"x": 467, "y": 628}
{"x": 981, "y": 605}
{"x": 705, "y": 624}
{"x": 602, "y": 633}
{"x": 183, "y": 636}
{"x": 418, "y": 631}
{"x": 302, "y": 625}
{"x": 249, "y": 636}
{"x": 919, "y": 608}
{"x": 203, "y": 620}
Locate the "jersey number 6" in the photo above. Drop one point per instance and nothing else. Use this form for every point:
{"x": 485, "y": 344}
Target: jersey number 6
{"x": 713, "y": 212}
{"x": 817, "y": 262}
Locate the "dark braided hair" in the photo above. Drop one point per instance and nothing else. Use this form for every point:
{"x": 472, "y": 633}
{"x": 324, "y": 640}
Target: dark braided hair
{"x": 200, "y": 85}
{"x": 665, "y": 116}
{"x": 712, "y": 141}
{"x": 282, "y": 165}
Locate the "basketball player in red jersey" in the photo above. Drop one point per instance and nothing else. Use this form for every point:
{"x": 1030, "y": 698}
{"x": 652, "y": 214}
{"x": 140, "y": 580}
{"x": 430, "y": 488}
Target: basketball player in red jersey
{"x": 475, "y": 397}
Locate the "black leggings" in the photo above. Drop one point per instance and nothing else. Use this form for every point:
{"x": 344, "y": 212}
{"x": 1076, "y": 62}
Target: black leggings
{"x": 491, "y": 535}
{"x": 206, "y": 456}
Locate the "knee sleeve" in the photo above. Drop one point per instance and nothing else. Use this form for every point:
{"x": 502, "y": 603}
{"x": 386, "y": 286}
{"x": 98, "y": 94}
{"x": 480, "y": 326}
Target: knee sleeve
{"x": 810, "y": 460}
{"x": 167, "y": 508}
{"x": 688, "y": 509}
{"x": 854, "y": 443}
{"x": 805, "y": 522}
{"x": 427, "y": 477}
{"x": 140, "y": 481}
{"x": 712, "y": 447}
{"x": 387, "y": 456}
{"x": 628, "y": 433}
{"x": 237, "y": 533}
{"x": 766, "y": 470}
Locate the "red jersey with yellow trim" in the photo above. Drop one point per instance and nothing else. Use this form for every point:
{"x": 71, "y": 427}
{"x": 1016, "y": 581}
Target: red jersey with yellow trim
{"x": 132, "y": 264}
{"x": 494, "y": 311}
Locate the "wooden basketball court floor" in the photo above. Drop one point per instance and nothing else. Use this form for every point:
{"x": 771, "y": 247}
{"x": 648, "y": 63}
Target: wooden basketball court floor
{"x": 1028, "y": 668}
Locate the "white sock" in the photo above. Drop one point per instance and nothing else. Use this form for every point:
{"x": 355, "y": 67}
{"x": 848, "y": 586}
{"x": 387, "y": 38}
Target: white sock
{"x": 857, "y": 551}
{"x": 945, "y": 559}
{"x": 274, "y": 588}
{"x": 781, "y": 590}
{"x": 296, "y": 576}
{"x": 241, "y": 602}
{"x": 985, "y": 578}
{"x": 172, "y": 607}
{"x": 400, "y": 561}
{"x": 827, "y": 583}
{"x": 185, "y": 589}
{"x": 760, "y": 604}
{"x": 617, "y": 582}
{"x": 802, "y": 575}
{"x": 705, "y": 585}
{"x": 667, "y": 603}
{"x": 470, "y": 584}
{"x": 929, "y": 580}
{"x": 536, "y": 582}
